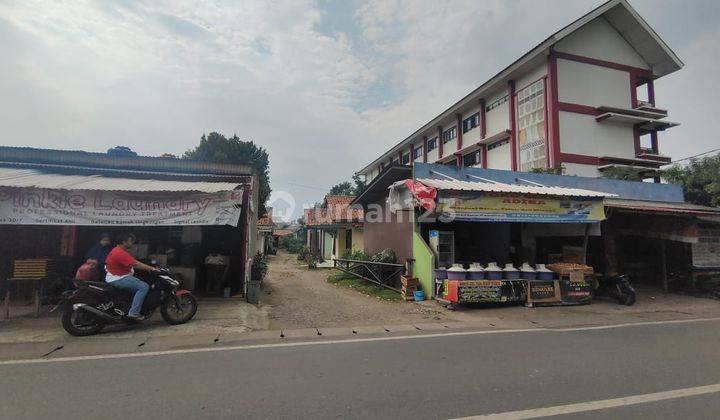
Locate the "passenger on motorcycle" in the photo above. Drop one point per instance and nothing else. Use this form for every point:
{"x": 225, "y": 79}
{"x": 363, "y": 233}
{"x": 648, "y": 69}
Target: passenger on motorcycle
{"x": 120, "y": 267}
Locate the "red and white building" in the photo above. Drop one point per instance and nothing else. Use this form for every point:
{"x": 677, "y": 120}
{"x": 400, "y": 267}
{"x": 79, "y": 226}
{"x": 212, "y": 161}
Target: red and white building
{"x": 583, "y": 100}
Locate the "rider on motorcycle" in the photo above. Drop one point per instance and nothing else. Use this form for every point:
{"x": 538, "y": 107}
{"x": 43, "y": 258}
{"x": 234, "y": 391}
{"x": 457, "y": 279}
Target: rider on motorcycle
{"x": 120, "y": 267}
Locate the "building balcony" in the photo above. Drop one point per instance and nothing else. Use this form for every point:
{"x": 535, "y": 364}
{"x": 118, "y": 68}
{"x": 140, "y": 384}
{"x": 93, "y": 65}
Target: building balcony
{"x": 646, "y": 119}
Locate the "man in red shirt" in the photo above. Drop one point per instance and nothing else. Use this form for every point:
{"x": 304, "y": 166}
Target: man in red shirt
{"x": 120, "y": 267}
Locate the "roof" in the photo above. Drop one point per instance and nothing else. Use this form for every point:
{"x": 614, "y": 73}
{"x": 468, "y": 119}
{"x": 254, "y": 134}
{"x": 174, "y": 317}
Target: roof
{"x": 498, "y": 187}
{"x": 662, "y": 207}
{"x": 629, "y": 24}
{"x": 266, "y": 221}
{"x": 283, "y": 232}
{"x": 335, "y": 209}
{"x": 376, "y": 190}
{"x": 33, "y": 178}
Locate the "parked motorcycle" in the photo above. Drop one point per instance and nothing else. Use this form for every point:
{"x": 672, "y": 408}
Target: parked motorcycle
{"x": 91, "y": 306}
{"x": 617, "y": 287}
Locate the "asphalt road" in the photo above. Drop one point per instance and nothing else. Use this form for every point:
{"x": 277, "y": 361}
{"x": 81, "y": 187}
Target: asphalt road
{"x": 421, "y": 377}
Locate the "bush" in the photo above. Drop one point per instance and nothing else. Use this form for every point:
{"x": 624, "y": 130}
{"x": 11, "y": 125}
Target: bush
{"x": 385, "y": 256}
{"x": 311, "y": 258}
{"x": 259, "y": 267}
{"x": 291, "y": 244}
{"x": 355, "y": 255}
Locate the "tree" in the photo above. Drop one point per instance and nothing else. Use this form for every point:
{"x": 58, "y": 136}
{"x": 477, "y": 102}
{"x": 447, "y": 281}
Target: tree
{"x": 360, "y": 185}
{"x": 121, "y": 151}
{"x": 343, "y": 188}
{"x": 217, "y": 148}
{"x": 625, "y": 174}
{"x": 700, "y": 180}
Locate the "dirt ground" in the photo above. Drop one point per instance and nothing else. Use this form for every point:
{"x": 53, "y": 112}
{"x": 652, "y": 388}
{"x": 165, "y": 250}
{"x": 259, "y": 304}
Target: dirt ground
{"x": 297, "y": 297}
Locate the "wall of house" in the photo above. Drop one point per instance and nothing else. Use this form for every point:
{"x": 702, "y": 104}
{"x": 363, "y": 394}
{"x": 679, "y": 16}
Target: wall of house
{"x": 388, "y": 230}
{"x": 358, "y": 243}
{"x": 581, "y": 134}
{"x": 499, "y": 157}
{"x": 498, "y": 119}
{"x": 591, "y": 85}
{"x": 531, "y": 76}
{"x": 472, "y": 136}
{"x": 599, "y": 40}
{"x": 424, "y": 264}
{"x": 579, "y": 169}
{"x": 450, "y": 147}
{"x": 433, "y": 155}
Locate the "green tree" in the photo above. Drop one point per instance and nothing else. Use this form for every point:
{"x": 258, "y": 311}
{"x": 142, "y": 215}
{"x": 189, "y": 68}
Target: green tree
{"x": 215, "y": 147}
{"x": 626, "y": 174}
{"x": 700, "y": 180}
{"x": 360, "y": 185}
{"x": 343, "y": 188}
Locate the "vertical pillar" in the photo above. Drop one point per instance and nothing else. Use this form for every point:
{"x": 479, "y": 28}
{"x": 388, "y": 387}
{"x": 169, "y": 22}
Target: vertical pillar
{"x": 440, "y": 142}
{"x": 458, "y": 160}
{"x": 654, "y": 142}
{"x": 400, "y": 153}
{"x": 458, "y": 126}
{"x": 553, "y": 113}
{"x": 483, "y": 155}
{"x": 663, "y": 266}
{"x": 483, "y": 126}
{"x": 513, "y": 128}
{"x": 636, "y": 141}
{"x": 425, "y": 151}
{"x": 633, "y": 90}
{"x": 651, "y": 91}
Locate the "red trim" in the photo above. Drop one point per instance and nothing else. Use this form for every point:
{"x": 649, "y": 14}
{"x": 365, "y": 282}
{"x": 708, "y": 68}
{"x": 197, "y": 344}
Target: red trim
{"x": 181, "y": 292}
{"x": 459, "y": 160}
{"x": 633, "y": 90}
{"x": 654, "y": 141}
{"x": 440, "y": 142}
{"x": 483, "y": 127}
{"x": 602, "y": 63}
{"x": 513, "y": 128}
{"x": 582, "y": 159}
{"x": 553, "y": 112}
{"x": 459, "y": 132}
{"x": 651, "y": 91}
{"x": 483, "y": 155}
{"x": 412, "y": 154}
{"x": 636, "y": 141}
{"x": 577, "y": 108}
{"x": 424, "y": 149}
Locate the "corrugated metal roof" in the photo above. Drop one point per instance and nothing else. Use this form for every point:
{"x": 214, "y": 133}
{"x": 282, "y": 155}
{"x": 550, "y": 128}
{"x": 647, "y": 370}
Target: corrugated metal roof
{"x": 31, "y": 178}
{"x": 499, "y": 187}
{"x": 662, "y": 207}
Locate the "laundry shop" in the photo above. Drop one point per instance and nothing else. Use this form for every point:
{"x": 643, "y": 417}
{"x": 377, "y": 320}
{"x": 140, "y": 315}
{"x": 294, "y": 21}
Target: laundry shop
{"x": 480, "y": 235}
{"x": 197, "y": 218}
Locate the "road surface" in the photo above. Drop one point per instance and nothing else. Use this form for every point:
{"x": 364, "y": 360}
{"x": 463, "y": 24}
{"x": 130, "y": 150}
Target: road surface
{"x": 653, "y": 371}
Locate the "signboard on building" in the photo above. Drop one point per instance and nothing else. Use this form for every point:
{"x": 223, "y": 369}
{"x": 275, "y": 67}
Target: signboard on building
{"x": 508, "y": 208}
{"x": 33, "y": 206}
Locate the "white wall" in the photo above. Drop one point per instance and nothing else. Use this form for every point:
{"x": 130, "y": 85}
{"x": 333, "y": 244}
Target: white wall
{"x": 498, "y": 119}
{"x": 499, "y": 157}
{"x": 433, "y": 155}
{"x": 578, "y": 169}
{"x": 531, "y": 76}
{"x": 599, "y": 40}
{"x": 586, "y": 84}
{"x": 472, "y": 136}
{"x": 581, "y": 134}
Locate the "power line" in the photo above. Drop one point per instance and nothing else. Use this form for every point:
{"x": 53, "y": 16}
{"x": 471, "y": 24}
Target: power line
{"x": 698, "y": 155}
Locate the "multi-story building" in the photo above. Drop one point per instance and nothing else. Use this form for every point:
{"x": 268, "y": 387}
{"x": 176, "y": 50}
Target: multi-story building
{"x": 582, "y": 100}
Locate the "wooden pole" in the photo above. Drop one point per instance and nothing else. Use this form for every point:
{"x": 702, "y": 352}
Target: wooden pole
{"x": 663, "y": 266}
{"x": 585, "y": 243}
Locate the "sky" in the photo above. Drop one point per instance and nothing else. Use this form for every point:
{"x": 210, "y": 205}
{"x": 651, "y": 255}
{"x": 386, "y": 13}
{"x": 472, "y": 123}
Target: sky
{"x": 324, "y": 86}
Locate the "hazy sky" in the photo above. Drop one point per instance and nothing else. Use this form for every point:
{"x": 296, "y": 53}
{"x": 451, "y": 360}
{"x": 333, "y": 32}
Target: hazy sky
{"x": 325, "y": 87}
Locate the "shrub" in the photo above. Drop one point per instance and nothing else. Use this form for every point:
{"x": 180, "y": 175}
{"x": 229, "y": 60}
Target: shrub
{"x": 385, "y": 256}
{"x": 355, "y": 255}
{"x": 291, "y": 244}
{"x": 259, "y": 267}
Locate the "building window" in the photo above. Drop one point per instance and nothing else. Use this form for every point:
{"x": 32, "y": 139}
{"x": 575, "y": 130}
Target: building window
{"x": 417, "y": 152}
{"x": 471, "y": 122}
{"x": 449, "y": 134}
{"x": 348, "y": 239}
{"x": 471, "y": 159}
{"x": 498, "y": 144}
{"x": 406, "y": 159}
{"x": 496, "y": 103}
{"x": 432, "y": 144}
{"x": 531, "y": 126}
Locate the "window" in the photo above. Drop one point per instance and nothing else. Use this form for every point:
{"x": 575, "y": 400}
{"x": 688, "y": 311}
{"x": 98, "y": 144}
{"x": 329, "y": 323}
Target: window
{"x": 496, "y": 103}
{"x": 432, "y": 144}
{"x": 449, "y": 134}
{"x": 417, "y": 152}
{"x": 471, "y": 159}
{"x": 471, "y": 122}
{"x": 498, "y": 144}
{"x": 406, "y": 158}
{"x": 531, "y": 137}
{"x": 348, "y": 239}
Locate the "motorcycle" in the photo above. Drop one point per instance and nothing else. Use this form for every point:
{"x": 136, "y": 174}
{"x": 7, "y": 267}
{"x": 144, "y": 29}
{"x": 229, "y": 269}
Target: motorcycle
{"x": 617, "y": 287}
{"x": 88, "y": 308}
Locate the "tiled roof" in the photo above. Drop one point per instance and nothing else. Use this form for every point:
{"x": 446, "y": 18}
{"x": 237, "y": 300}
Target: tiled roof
{"x": 265, "y": 221}
{"x": 335, "y": 209}
{"x": 283, "y": 232}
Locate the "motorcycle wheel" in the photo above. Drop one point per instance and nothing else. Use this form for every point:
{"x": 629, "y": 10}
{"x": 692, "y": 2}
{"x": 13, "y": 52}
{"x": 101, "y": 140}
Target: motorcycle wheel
{"x": 179, "y": 311}
{"x": 79, "y": 323}
{"x": 627, "y": 299}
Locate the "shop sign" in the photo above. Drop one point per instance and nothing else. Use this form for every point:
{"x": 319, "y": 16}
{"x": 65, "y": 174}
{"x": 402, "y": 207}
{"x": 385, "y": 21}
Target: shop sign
{"x": 480, "y": 291}
{"x": 32, "y": 206}
{"x": 542, "y": 290}
{"x": 507, "y": 208}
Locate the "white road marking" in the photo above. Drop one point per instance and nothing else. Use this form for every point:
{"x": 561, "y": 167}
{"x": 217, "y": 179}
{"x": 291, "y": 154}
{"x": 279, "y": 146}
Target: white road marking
{"x": 337, "y": 341}
{"x": 598, "y": 405}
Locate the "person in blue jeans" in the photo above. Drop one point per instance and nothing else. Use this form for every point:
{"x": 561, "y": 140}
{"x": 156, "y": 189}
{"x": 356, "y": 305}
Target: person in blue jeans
{"x": 120, "y": 267}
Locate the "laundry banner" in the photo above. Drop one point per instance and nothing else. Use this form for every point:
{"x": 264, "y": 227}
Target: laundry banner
{"x": 508, "y": 208}
{"x": 33, "y": 206}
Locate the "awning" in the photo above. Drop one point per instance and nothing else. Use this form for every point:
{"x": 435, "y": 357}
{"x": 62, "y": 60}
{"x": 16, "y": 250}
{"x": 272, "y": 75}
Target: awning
{"x": 32, "y": 197}
{"x": 499, "y": 187}
{"x": 662, "y": 207}
{"x": 32, "y": 178}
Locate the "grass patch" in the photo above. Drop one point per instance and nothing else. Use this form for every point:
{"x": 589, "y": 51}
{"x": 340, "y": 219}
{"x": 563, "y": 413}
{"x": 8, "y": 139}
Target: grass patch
{"x": 362, "y": 286}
